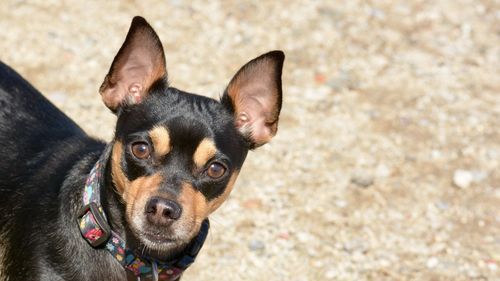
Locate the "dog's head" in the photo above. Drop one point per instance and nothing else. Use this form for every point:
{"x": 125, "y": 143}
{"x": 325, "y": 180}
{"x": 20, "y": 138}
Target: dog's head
{"x": 176, "y": 155}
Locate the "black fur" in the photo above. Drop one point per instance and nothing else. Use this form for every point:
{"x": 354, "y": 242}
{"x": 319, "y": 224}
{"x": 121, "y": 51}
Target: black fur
{"x": 46, "y": 159}
{"x": 42, "y": 193}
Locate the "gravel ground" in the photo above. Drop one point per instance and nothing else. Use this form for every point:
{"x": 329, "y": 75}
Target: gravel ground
{"x": 387, "y": 162}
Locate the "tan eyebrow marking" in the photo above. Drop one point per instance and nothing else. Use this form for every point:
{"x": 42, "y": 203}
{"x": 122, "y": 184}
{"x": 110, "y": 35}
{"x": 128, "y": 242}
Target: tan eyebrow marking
{"x": 204, "y": 152}
{"x": 161, "y": 140}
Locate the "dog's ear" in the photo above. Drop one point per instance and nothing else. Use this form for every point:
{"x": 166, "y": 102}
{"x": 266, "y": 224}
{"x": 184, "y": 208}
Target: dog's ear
{"x": 140, "y": 62}
{"x": 254, "y": 96}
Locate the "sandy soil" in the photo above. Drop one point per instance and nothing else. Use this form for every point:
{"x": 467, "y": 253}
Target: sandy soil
{"x": 387, "y": 162}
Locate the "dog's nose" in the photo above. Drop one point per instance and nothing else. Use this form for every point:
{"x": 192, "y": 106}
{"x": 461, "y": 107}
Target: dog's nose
{"x": 162, "y": 212}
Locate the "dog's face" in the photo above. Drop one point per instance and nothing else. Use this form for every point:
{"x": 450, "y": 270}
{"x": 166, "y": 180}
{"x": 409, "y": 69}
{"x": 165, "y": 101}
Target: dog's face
{"x": 175, "y": 159}
{"x": 176, "y": 156}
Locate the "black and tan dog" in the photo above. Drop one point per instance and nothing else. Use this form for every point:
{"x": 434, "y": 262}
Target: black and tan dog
{"x": 75, "y": 208}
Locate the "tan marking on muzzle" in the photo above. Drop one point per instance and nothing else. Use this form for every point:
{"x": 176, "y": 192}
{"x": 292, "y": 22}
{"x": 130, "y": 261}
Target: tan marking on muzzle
{"x": 194, "y": 203}
{"x": 194, "y": 207}
{"x": 217, "y": 202}
{"x": 134, "y": 191}
{"x": 161, "y": 140}
{"x": 139, "y": 191}
{"x": 129, "y": 190}
{"x": 205, "y": 151}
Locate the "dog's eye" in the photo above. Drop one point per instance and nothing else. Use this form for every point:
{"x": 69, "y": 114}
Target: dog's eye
{"x": 216, "y": 170}
{"x": 140, "y": 150}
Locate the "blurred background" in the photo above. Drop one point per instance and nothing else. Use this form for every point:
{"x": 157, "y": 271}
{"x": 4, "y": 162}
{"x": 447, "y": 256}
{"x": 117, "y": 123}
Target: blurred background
{"x": 387, "y": 162}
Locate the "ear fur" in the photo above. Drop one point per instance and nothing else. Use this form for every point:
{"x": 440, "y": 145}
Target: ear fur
{"x": 254, "y": 95}
{"x": 139, "y": 63}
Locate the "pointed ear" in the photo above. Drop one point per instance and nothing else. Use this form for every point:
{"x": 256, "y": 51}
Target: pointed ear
{"x": 140, "y": 62}
{"x": 254, "y": 96}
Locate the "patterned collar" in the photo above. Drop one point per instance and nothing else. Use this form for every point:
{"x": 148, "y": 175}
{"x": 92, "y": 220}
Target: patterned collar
{"x": 96, "y": 230}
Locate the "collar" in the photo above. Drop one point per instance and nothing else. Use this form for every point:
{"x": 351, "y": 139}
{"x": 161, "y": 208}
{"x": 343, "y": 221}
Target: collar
{"x": 96, "y": 230}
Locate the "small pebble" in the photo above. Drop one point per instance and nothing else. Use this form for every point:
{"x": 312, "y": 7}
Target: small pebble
{"x": 354, "y": 245}
{"x": 362, "y": 178}
{"x": 341, "y": 203}
{"x": 252, "y": 204}
{"x": 462, "y": 178}
{"x": 442, "y": 205}
{"x": 331, "y": 274}
{"x": 492, "y": 265}
{"x": 432, "y": 262}
{"x": 382, "y": 171}
{"x": 256, "y": 245}
{"x": 304, "y": 237}
{"x": 284, "y": 235}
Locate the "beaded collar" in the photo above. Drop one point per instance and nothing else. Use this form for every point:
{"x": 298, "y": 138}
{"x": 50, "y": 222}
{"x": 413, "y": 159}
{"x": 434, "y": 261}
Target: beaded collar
{"x": 95, "y": 229}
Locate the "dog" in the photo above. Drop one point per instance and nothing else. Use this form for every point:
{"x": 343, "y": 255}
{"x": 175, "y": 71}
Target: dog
{"x": 75, "y": 208}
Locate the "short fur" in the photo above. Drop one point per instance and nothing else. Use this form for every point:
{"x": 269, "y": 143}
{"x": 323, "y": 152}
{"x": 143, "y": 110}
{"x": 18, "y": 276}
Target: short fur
{"x": 47, "y": 157}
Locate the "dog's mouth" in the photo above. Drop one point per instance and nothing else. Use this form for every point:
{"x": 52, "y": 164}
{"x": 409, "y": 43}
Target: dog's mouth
{"x": 156, "y": 244}
{"x": 157, "y": 237}
{"x": 162, "y": 243}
